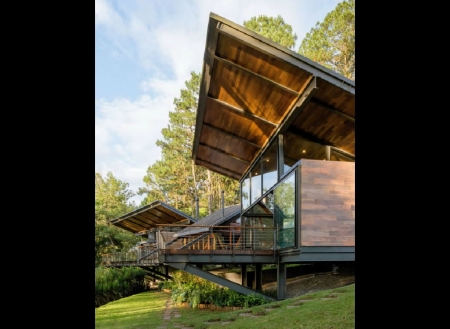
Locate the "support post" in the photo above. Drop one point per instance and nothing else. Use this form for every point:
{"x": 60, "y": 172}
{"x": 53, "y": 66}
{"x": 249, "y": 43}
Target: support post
{"x": 258, "y": 277}
{"x": 244, "y": 274}
{"x": 281, "y": 281}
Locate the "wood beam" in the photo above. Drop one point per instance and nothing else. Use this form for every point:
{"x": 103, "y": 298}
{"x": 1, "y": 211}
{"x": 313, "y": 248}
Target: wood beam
{"x": 241, "y": 112}
{"x": 232, "y": 135}
{"x": 221, "y": 59}
{"x": 328, "y": 107}
{"x": 271, "y": 48}
{"x": 221, "y": 170}
{"x": 225, "y": 153}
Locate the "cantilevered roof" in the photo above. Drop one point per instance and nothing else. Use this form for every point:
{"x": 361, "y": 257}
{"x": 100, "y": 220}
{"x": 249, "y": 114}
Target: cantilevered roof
{"x": 215, "y": 219}
{"x": 149, "y": 216}
{"x": 253, "y": 88}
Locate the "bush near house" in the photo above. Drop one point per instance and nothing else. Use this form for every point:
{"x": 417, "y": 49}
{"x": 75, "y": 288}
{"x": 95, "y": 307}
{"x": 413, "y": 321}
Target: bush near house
{"x": 195, "y": 291}
{"x": 112, "y": 283}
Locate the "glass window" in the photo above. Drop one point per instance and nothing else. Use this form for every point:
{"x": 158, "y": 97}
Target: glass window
{"x": 269, "y": 166}
{"x": 245, "y": 192}
{"x": 296, "y": 148}
{"x": 256, "y": 182}
{"x": 284, "y": 198}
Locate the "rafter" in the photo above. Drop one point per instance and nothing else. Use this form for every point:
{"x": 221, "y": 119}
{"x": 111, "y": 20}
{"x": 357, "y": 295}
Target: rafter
{"x": 221, "y": 59}
{"x": 220, "y": 169}
{"x": 232, "y": 135}
{"x": 328, "y": 107}
{"x": 241, "y": 111}
{"x": 224, "y": 153}
{"x": 273, "y": 49}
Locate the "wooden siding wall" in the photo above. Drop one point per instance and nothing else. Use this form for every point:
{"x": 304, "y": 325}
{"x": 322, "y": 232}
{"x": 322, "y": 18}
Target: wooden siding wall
{"x": 327, "y": 203}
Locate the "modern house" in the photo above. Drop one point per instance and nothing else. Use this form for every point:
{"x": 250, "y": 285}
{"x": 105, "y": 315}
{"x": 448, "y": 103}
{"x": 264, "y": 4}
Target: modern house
{"x": 284, "y": 126}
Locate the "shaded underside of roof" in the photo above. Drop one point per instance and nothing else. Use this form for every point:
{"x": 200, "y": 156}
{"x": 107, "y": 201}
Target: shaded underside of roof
{"x": 215, "y": 219}
{"x": 151, "y": 215}
{"x": 253, "y": 88}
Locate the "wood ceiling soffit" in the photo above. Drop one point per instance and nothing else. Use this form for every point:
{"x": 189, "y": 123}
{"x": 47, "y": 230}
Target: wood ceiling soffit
{"x": 173, "y": 215}
{"x": 225, "y": 153}
{"x": 161, "y": 215}
{"x": 326, "y": 106}
{"x": 141, "y": 216}
{"x": 224, "y": 170}
{"x": 241, "y": 68}
{"x": 154, "y": 218}
{"x": 232, "y": 135}
{"x": 130, "y": 226}
{"x": 137, "y": 219}
{"x": 240, "y": 111}
{"x": 304, "y": 64}
{"x": 137, "y": 222}
{"x": 125, "y": 227}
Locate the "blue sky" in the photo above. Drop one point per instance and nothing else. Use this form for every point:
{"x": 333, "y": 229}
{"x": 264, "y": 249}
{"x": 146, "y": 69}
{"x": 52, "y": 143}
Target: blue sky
{"x": 144, "y": 53}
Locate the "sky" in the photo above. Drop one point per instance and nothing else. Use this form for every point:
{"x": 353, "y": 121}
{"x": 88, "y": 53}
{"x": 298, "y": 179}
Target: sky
{"x": 144, "y": 53}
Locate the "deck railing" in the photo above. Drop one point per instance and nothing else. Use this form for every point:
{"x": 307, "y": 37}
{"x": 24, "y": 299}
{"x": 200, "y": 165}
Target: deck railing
{"x": 189, "y": 238}
{"x": 220, "y": 238}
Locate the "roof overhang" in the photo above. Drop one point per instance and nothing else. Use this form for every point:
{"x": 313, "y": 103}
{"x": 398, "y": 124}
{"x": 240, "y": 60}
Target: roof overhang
{"x": 150, "y": 216}
{"x": 252, "y": 89}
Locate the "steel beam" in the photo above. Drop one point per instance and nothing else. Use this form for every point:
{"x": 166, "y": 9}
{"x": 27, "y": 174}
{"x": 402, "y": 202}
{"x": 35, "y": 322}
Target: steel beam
{"x": 221, "y": 281}
{"x": 216, "y": 258}
{"x": 293, "y": 112}
{"x": 319, "y": 254}
{"x": 242, "y": 112}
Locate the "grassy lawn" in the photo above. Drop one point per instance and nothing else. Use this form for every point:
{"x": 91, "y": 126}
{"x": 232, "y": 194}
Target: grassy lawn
{"x": 139, "y": 311}
{"x": 333, "y": 309}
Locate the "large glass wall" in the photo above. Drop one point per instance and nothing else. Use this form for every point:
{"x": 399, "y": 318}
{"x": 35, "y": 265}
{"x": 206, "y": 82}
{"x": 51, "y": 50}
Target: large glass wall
{"x": 269, "y": 167}
{"x": 296, "y": 148}
{"x": 284, "y": 214}
{"x": 245, "y": 192}
{"x": 256, "y": 182}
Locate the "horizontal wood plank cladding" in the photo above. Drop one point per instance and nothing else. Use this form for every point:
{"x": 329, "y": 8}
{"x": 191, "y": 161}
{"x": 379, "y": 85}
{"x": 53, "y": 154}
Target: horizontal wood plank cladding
{"x": 261, "y": 63}
{"x": 256, "y": 131}
{"x": 339, "y": 99}
{"x": 213, "y": 156}
{"x": 327, "y": 203}
{"x": 327, "y": 125}
{"x": 248, "y": 92}
{"x": 228, "y": 144}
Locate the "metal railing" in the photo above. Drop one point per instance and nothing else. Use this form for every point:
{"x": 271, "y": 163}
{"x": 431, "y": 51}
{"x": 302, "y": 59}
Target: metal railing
{"x": 176, "y": 238}
{"x": 220, "y": 238}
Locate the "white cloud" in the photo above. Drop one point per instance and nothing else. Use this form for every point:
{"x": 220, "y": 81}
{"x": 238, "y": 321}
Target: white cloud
{"x": 166, "y": 40}
{"x": 126, "y": 134}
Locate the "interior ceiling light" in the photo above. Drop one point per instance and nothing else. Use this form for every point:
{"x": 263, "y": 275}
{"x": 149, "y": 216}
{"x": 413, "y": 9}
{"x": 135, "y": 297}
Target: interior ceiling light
{"x": 304, "y": 151}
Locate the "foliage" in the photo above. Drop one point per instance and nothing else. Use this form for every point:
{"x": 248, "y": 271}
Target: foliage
{"x": 195, "y": 290}
{"x": 332, "y": 42}
{"x": 273, "y": 28}
{"x": 175, "y": 179}
{"x": 112, "y": 199}
{"x": 112, "y": 284}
